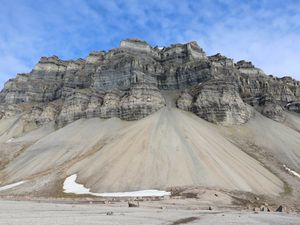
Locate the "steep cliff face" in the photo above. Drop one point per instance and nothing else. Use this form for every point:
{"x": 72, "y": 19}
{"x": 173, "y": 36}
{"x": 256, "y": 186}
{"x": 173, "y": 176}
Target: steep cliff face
{"x": 216, "y": 101}
{"x": 126, "y": 82}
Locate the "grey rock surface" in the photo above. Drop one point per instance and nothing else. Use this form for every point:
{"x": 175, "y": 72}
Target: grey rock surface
{"x": 141, "y": 101}
{"x": 219, "y": 101}
{"x": 127, "y": 82}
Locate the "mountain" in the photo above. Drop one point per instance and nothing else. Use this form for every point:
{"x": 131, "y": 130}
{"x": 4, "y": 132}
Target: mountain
{"x": 141, "y": 117}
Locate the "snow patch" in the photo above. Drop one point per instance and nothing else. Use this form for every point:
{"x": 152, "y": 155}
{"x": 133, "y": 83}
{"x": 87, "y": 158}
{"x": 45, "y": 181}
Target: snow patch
{"x": 70, "y": 186}
{"x": 6, "y": 187}
{"x": 10, "y": 140}
{"x": 291, "y": 171}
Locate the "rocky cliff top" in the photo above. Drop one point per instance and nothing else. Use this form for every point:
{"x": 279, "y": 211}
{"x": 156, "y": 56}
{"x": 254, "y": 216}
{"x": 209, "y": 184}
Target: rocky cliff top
{"x": 132, "y": 81}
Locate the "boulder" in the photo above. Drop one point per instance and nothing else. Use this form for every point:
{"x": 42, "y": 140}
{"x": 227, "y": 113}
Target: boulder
{"x": 264, "y": 208}
{"x": 280, "y": 209}
{"x": 133, "y": 204}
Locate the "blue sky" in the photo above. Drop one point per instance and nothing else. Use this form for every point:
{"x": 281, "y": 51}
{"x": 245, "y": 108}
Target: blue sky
{"x": 266, "y": 32}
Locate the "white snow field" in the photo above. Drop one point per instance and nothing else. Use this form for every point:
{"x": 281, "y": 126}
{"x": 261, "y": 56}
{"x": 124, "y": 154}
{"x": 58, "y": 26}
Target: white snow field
{"x": 71, "y": 186}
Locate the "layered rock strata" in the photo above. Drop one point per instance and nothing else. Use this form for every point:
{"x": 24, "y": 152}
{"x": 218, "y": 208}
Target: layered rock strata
{"x": 127, "y": 82}
{"x": 216, "y": 101}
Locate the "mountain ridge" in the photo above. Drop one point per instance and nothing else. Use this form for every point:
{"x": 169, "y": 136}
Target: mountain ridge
{"x": 138, "y": 117}
{"x": 126, "y": 82}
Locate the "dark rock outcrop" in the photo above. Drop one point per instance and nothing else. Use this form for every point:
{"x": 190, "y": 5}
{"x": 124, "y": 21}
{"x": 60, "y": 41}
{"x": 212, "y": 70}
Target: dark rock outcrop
{"x": 217, "y": 101}
{"x": 141, "y": 101}
{"x": 127, "y": 82}
{"x": 293, "y": 106}
{"x": 267, "y": 106}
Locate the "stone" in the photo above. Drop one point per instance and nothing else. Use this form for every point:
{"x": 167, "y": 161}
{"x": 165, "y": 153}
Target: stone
{"x": 109, "y": 213}
{"x": 280, "y": 209}
{"x": 264, "y": 208}
{"x": 133, "y": 204}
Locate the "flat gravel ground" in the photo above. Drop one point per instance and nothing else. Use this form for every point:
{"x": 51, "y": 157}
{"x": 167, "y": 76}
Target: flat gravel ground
{"x": 33, "y": 213}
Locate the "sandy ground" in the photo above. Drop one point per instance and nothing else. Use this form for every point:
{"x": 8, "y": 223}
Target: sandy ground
{"x": 169, "y": 148}
{"x": 28, "y": 213}
{"x": 275, "y": 145}
{"x": 281, "y": 140}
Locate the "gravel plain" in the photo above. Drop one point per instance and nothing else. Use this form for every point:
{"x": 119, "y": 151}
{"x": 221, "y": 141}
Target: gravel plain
{"x": 35, "y": 213}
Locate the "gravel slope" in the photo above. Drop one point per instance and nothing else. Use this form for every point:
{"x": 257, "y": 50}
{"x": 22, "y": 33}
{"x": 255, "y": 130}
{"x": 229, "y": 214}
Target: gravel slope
{"x": 169, "y": 148}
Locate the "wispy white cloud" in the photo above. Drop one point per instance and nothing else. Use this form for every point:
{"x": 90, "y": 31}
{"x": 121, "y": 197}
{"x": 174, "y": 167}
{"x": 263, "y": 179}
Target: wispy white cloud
{"x": 266, "y": 32}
